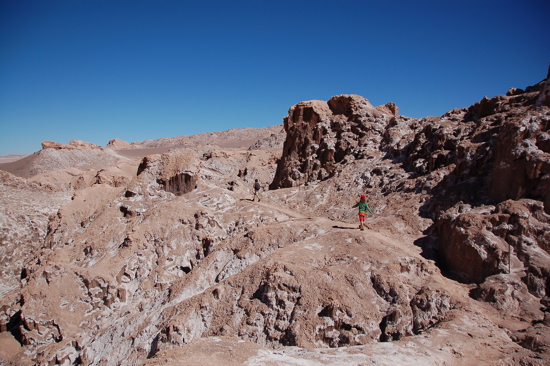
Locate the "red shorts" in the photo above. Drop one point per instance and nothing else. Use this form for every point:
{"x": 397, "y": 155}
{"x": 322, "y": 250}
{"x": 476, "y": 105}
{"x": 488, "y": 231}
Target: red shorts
{"x": 362, "y": 216}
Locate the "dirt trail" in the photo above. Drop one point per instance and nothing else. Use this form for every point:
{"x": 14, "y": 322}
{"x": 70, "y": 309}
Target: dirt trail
{"x": 389, "y": 244}
{"x": 332, "y": 225}
{"x": 289, "y": 212}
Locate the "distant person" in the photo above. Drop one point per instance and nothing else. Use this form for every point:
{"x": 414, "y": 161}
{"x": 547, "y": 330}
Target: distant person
{"x": 257, "y": 187}
{"x": 363, "y": 208}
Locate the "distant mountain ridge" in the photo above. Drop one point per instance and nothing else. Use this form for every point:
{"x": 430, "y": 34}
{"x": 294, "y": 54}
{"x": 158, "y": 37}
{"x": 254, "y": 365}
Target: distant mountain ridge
{"x": 85, "y": 155}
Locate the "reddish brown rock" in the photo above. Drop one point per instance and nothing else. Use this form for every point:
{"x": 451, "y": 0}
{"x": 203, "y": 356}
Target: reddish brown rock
{"x": 476, "y": 243}
{"x": 52, "y": 145}
{"x": 468, "y": 248}
{"x": 544, "y": 98}
{"x": 321, "y": 135}
{"x": 535, "y": 338}
{"x": 522, "y": 159}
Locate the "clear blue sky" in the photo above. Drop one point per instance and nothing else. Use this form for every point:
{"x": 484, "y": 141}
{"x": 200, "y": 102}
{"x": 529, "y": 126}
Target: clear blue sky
{"x": 142, "y": 69}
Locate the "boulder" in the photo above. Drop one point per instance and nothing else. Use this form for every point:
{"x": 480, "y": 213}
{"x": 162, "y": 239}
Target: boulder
{"x": 52, "y": 145}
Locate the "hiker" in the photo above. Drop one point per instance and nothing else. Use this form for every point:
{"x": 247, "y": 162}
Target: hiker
{"x": 363, "y": 208}
{"x": 257, "y": 187}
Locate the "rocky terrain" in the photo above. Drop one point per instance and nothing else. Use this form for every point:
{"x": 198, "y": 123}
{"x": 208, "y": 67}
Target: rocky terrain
{"x": 153, "y": 253}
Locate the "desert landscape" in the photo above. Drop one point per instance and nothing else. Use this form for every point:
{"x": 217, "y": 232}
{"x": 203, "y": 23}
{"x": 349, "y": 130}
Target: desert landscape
{"x": 154, "y": 253}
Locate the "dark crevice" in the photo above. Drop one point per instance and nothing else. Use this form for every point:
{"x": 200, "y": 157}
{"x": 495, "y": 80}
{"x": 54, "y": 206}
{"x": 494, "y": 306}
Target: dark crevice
{"x": 14, "y": 327}
{"x": 154, "y": 347}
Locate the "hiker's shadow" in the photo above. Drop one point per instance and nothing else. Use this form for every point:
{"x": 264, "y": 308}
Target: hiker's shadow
{"x": 343, "y": 227}
{"x": 247, "y": 199}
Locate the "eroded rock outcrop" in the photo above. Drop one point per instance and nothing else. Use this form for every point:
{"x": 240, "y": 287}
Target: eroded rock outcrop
{"x": 75, "y": 154}
{"x": 300, "y": 297}
{"x": 72, "y": 145}
{"x": 322, "y": 134}
{"x": 522, "y": 159}
{"x": 477, "y": 243}
{"x": 119, "y": 223}
{"x": 177, "y": 172}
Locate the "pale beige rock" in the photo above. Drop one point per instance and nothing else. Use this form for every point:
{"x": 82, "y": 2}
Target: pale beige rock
{"x": 52, "y": 145}
{"x": 118, "y": 175}
{"x": 11, "y": 158}
{"x": 118, "y": 144}
{"x": 72, "y": 145}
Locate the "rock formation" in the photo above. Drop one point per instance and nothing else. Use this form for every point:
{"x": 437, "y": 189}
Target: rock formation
{"x": 118, "y": 144}
{"x": 155, "y": 260}
{"x": 72, "y": 145}
{"x": 176, "y": 172}
{"x": 322, "y": 134}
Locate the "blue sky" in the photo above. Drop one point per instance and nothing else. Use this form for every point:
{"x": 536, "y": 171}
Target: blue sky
{"x": 139, "y": 70}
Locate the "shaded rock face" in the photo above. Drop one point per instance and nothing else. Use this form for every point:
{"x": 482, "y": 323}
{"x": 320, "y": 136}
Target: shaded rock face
{"x": 177, "y": 172}
{"x": 522, "y": 161}
{"x": 180, "y": 183}
{"x": 544, "y": 98}
{"x": 477, "y": 243}
{"x": 322, "y": 134}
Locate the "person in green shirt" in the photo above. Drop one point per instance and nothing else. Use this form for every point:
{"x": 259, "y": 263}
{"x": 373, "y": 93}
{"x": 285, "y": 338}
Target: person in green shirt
{"x": 363, "y": 208}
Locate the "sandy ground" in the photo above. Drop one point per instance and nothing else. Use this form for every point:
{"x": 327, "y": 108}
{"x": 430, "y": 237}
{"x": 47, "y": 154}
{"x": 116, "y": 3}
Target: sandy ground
{"x": 11, "y": 158}
{"x": 19, "y": 167}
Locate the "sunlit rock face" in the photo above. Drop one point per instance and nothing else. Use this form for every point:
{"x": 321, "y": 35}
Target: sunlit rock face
{"x": 322, "y": 134}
